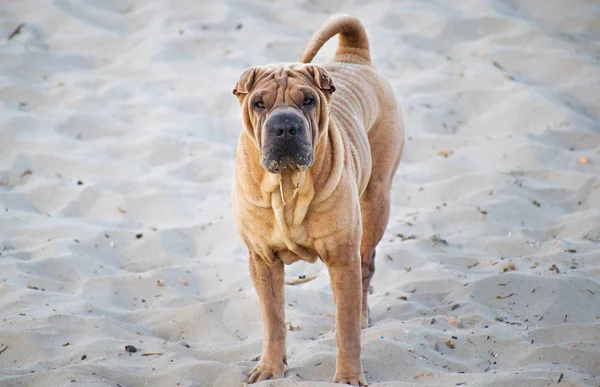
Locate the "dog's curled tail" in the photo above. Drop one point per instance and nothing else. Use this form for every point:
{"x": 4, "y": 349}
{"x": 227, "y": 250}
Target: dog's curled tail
{"x": 353, "y": 45}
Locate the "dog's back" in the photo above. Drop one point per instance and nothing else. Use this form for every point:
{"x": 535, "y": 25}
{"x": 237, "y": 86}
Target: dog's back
{"x": 361, "y": 93}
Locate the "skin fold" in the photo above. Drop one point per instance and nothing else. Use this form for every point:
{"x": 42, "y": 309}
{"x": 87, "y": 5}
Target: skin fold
{"x": 330, "y": 138}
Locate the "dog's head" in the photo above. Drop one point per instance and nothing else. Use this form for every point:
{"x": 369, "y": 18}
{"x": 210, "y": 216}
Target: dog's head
{"x": 285, "y": 110}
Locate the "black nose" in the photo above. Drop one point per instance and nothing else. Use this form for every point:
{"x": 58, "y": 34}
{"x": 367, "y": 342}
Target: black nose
{"x": 284, "y": 125}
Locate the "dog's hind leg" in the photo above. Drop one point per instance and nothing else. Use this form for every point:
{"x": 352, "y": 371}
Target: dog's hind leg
{"x": 375, "y": 211}
{"x": 387, "y": 143}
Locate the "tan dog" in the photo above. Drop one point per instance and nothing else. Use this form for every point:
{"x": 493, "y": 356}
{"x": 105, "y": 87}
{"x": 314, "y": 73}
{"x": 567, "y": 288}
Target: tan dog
{"x": 314, "y": 166}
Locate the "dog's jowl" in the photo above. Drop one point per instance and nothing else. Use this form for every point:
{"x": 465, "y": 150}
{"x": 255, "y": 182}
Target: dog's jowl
{"x": 316, "y": 157}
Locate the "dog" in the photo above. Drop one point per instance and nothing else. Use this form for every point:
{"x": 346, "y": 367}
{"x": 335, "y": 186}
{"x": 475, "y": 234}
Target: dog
{"x": 315, "y": 160}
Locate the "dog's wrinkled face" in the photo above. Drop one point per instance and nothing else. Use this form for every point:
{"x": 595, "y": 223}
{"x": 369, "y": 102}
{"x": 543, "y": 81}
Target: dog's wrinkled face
{"x": 285, "y": 110}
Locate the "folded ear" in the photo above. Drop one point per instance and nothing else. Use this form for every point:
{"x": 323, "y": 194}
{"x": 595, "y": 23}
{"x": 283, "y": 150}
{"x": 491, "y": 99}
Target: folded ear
{"x": 246, "y": 81}
{"x": 321, "y": 77}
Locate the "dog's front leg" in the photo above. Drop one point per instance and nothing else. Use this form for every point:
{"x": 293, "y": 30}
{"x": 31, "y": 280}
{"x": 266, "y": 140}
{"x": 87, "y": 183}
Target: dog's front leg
{"x": 345, "y": 277}
{"x": 269, "y": 282}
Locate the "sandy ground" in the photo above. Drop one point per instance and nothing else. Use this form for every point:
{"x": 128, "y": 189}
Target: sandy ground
{"x": 117, "y": 135}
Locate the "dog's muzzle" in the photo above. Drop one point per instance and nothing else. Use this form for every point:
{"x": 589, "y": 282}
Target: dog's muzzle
{"x": 286, "y": 142}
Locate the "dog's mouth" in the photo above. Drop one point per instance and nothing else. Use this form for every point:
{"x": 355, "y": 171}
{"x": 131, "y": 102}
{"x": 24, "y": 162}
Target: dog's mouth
{"x": 274, "y": 164}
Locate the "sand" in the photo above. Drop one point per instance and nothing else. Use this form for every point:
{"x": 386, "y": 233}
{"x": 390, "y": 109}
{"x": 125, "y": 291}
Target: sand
{"x": 117, "y": 136}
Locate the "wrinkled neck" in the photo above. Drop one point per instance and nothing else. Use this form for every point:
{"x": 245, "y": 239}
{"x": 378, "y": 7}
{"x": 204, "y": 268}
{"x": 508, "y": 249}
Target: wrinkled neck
{"x": 327, "y": 169}
{"x": 269, "y": 190}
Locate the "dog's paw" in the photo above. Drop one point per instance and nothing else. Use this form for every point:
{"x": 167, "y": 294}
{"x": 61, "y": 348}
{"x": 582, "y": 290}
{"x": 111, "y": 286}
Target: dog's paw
{"x": 266, "y": 371}
{"x": 351, "y": 380}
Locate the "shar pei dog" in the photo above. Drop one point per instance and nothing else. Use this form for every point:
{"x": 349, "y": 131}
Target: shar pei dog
{"x": 315, "y": 160}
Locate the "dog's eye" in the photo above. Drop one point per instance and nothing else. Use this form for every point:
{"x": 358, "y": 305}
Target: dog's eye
{"x": 259, "y": 104}
{"x": 307, "y": 101}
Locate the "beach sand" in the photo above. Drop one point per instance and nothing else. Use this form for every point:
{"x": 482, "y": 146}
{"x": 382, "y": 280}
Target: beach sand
{"x": 117, "y": 138}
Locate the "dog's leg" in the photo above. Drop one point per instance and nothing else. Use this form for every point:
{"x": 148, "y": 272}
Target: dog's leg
{"x": 344, "y": 272}
{"x": 375, "y": 211}
{"x": 367, "y": 271}
{"x": 269, "y": 283}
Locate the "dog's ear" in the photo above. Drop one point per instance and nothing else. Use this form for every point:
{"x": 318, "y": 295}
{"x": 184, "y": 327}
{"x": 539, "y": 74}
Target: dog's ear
{"x": 321, "y": 77}
{"x": 246, "y": 81}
